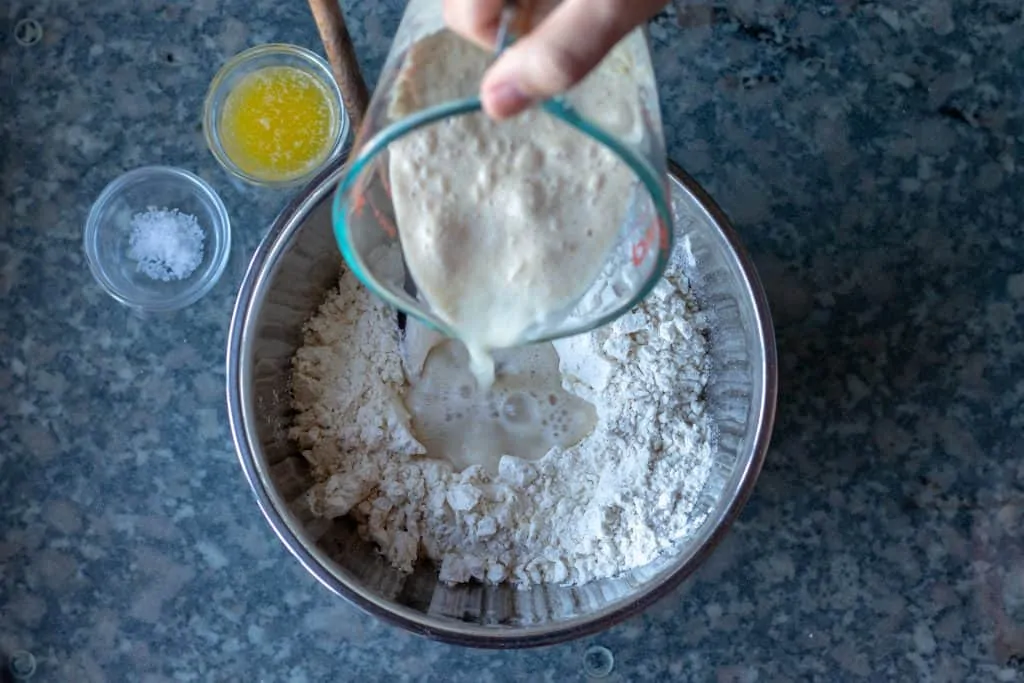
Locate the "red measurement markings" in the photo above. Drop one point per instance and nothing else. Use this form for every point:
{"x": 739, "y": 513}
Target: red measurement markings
{"x": 359, "y": 206}
{"x": 386, "y": 224}
{"x": 358, "y": 201}
{"x": 657, "y": 231}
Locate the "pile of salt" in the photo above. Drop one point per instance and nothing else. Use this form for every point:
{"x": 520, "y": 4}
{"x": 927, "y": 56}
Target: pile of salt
{"x": 167, "y": 244}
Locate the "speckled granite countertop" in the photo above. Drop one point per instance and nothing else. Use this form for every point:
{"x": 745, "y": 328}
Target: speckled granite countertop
{"x": 870, "y": 155}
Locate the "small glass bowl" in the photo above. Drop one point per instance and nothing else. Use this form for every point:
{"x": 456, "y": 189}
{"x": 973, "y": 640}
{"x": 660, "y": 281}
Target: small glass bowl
{"x": 108, "y": 228}
{"x": 254, "y": 59}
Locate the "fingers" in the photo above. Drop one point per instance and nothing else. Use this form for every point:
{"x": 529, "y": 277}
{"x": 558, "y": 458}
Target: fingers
{"x": 566, "y": 44}
{"x": 478, "y": 20}
{"x": 559, "y": 52}
{"x": 474, "y": 19}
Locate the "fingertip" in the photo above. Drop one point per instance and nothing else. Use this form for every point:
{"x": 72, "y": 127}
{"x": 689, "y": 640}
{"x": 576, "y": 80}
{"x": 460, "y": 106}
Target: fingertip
{"x": 503, "y": 99}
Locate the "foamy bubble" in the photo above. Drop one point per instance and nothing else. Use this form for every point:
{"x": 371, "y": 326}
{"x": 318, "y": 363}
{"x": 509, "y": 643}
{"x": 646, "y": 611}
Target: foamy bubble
{"x": 524, "y": 414}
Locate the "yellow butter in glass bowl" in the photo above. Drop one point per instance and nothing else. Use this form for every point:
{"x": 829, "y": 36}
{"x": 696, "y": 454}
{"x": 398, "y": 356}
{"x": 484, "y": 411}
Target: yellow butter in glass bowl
{"x": 274, "y": 115}
{"x": 277, "y": 122}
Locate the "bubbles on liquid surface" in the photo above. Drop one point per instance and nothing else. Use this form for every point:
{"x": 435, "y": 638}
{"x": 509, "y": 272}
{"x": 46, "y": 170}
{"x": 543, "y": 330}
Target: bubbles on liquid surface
{"x": 525, "y": 413}
{"x": 517, "y": 408}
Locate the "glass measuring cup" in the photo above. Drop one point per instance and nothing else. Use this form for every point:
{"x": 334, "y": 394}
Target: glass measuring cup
{"x": 364, "y": 213}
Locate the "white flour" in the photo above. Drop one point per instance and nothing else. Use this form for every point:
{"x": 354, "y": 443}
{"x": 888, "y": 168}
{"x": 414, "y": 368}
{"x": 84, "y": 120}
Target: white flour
{"x": 611, "y": 503}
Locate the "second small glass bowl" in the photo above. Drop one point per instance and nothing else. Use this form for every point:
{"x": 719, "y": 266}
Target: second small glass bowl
{"x": 108, "y": 231}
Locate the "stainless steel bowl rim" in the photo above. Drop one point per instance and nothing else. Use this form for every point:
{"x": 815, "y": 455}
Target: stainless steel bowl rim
{"x": 283, "y": 229}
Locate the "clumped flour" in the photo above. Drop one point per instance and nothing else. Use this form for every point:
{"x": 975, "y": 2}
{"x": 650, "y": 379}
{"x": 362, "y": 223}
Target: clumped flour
{"x": 562, "y": 462}
{"x": 609, "y": 503}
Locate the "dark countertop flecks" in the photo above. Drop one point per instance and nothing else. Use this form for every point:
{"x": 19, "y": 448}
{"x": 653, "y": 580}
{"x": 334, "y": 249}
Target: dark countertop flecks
{"x": 869, "y": 153}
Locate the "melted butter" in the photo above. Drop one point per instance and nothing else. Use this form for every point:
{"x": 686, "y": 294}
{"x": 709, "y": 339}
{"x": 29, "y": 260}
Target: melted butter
{"x": 278, "y": 123}
{"x": 525, "y": 413}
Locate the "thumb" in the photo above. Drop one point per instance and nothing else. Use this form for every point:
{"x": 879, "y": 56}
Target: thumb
{"x": 558, "y": 53}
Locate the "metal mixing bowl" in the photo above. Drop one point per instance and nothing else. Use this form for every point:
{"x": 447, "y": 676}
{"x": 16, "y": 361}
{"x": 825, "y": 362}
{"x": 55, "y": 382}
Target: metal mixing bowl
{"x": 290, "y": 274}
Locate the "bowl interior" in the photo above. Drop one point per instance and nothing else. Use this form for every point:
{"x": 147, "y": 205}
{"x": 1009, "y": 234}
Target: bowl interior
{"x": 109, "y": 228}
{"x": 289, "y": 279}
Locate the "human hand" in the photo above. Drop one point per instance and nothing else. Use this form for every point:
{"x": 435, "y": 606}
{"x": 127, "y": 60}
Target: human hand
{"x": 568, "y": 39}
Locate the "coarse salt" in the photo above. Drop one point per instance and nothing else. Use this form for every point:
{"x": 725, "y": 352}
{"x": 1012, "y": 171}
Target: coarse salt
{"x": 167, "y": 244}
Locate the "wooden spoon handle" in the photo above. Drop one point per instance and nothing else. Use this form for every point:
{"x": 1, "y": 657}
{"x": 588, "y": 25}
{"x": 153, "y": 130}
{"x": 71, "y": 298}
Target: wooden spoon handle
{"x": 342, "y": 58}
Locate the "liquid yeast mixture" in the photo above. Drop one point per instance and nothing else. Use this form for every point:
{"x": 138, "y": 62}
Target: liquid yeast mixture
{"x": 504, "y": 225}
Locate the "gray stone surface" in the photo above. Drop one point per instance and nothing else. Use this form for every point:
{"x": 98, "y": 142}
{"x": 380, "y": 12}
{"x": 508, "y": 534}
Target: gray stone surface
{"x": 870, "y": 155}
